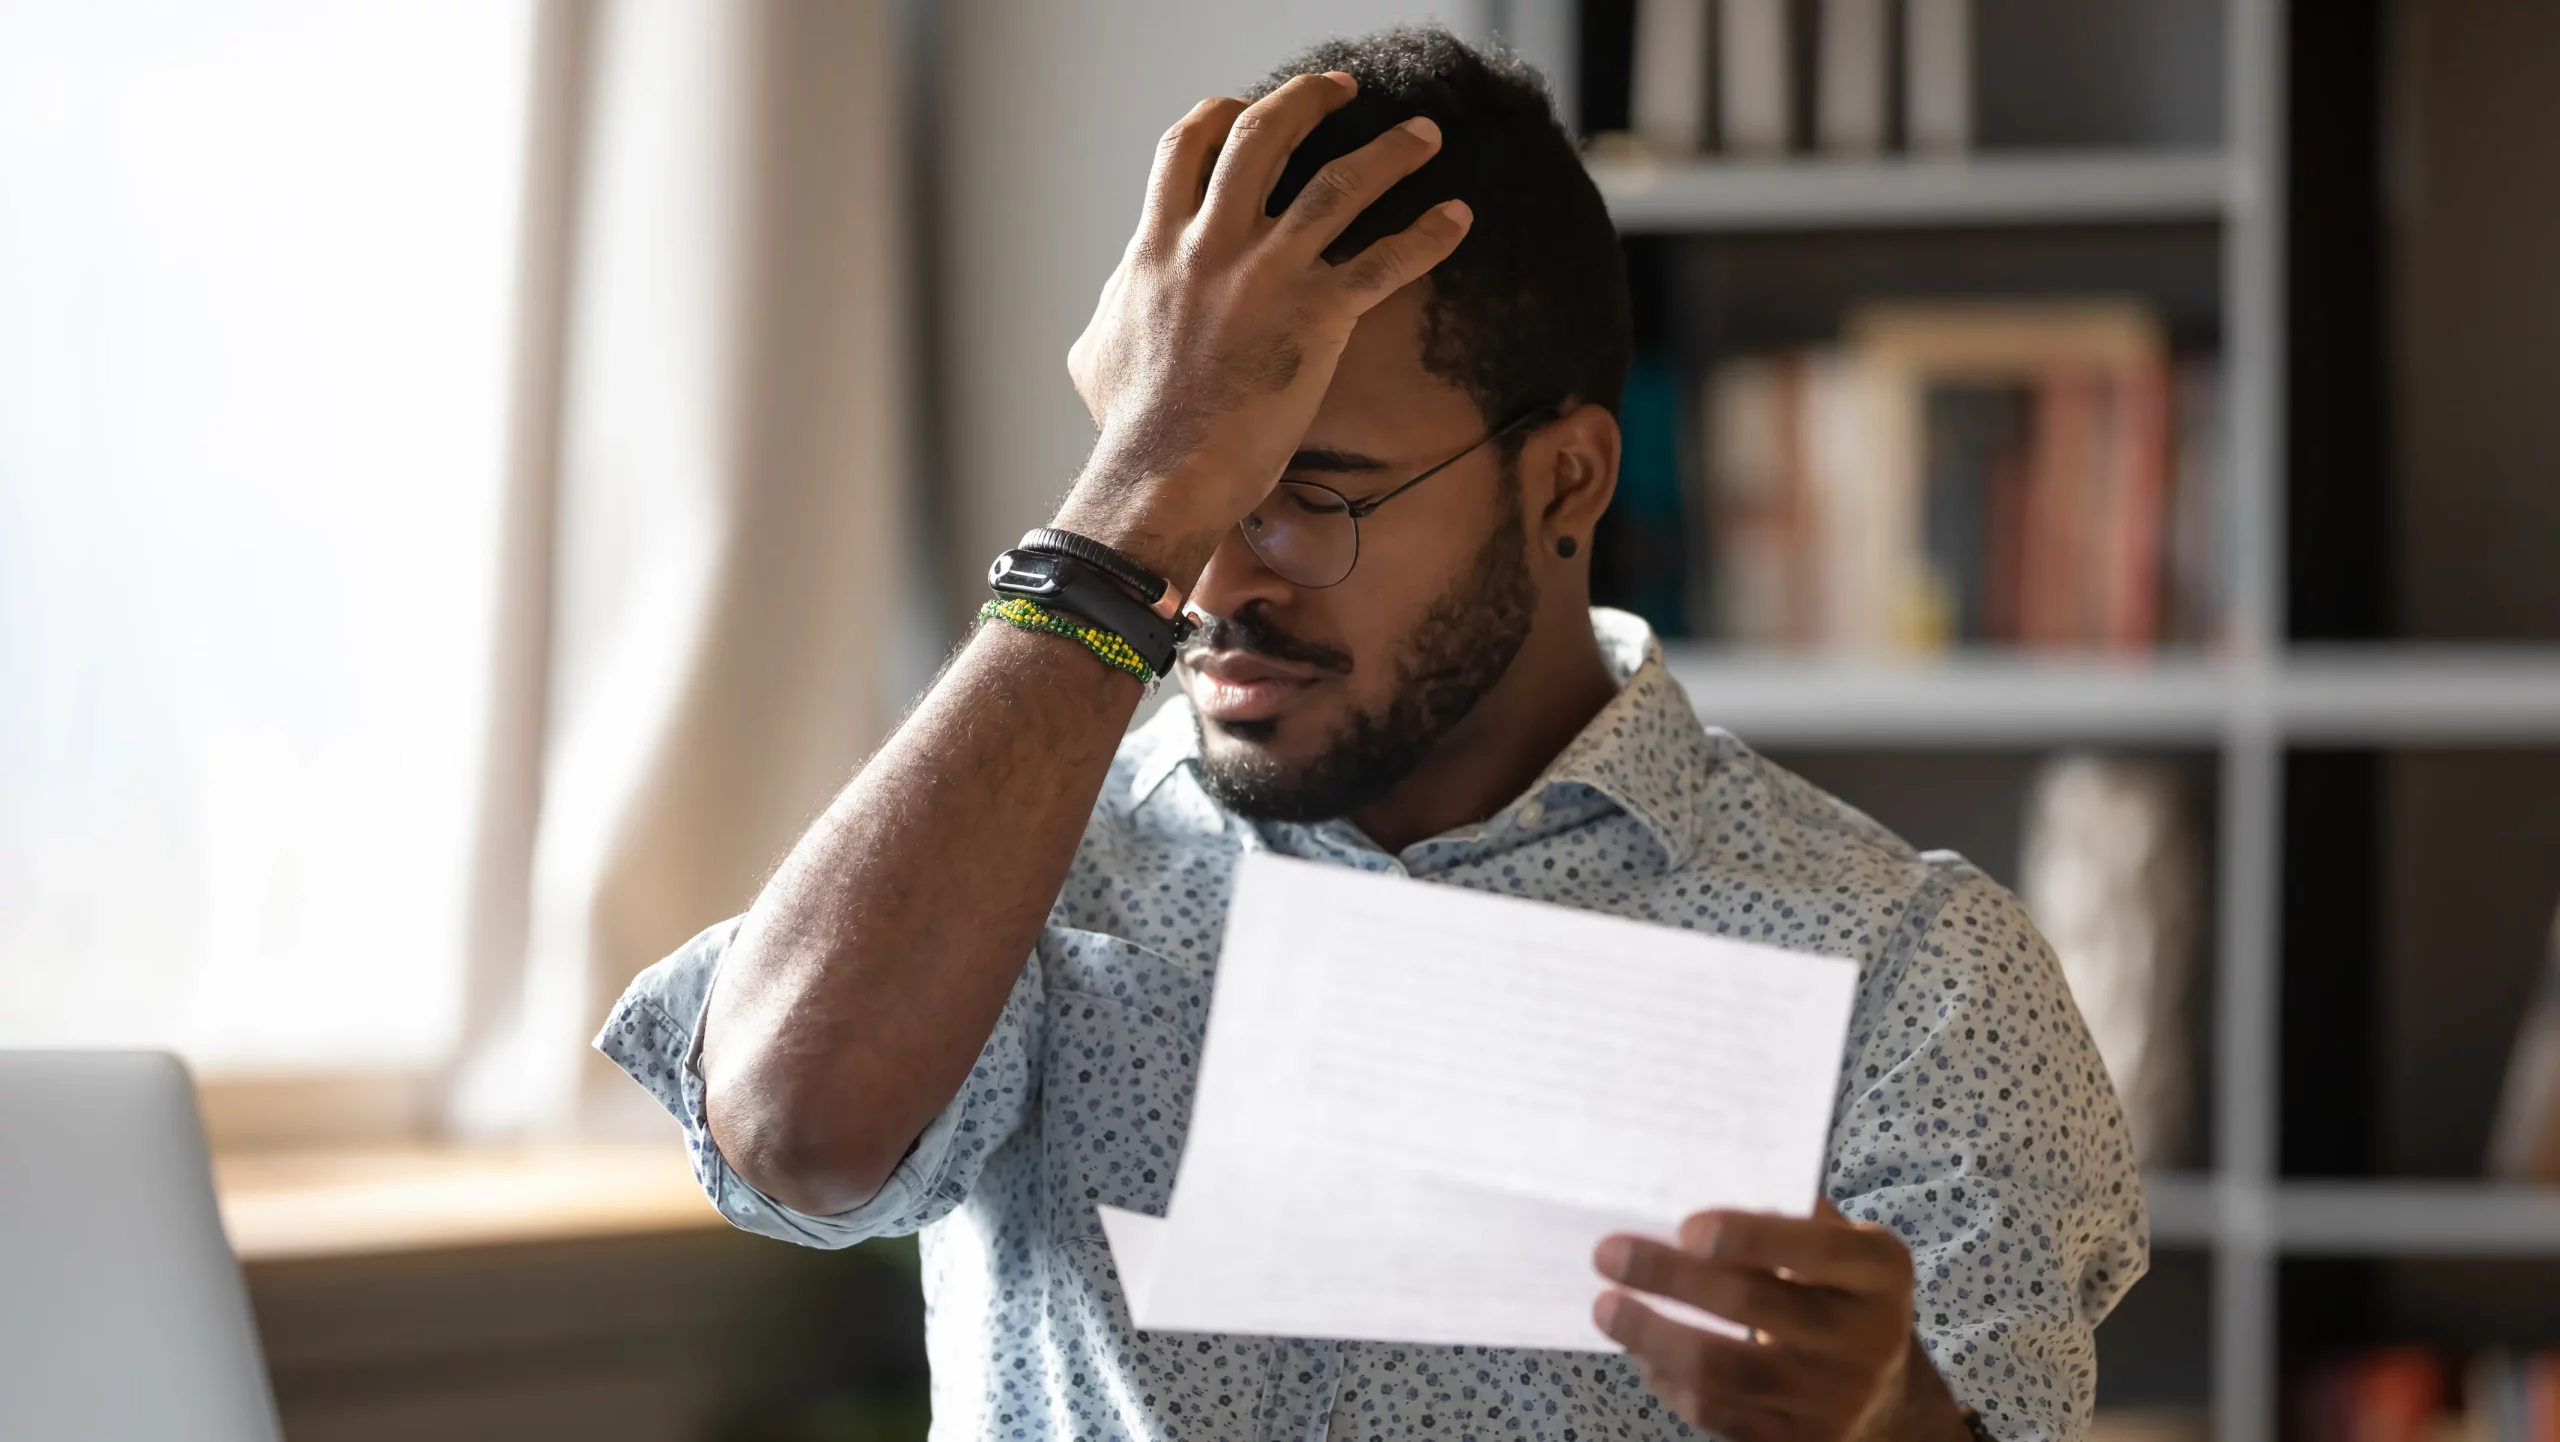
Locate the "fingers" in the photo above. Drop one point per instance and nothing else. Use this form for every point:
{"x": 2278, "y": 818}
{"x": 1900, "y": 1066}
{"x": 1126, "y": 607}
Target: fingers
{"x": 1718, "y": 1383}
{"x": 1183, "y": 160}
{"x": 1756, "y": 1299}
{"x": 1813, "y": 1250}
{"x": 1337, "y": 194}
{"x": 1391, "y": 264}
{"x": 1828, "y": 1302}
{"x": 1262, "y": 138}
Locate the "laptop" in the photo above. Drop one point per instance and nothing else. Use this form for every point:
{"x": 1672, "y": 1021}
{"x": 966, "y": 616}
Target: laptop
{"x": 122, "y": 1314}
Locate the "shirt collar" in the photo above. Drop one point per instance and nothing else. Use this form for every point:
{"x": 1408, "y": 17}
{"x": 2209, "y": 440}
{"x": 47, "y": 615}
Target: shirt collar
{"x": 1646, "y": 752}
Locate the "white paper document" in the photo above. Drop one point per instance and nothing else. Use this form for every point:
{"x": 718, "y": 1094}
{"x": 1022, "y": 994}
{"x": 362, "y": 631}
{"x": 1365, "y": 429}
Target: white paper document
{"x": 1420, "y": 1107}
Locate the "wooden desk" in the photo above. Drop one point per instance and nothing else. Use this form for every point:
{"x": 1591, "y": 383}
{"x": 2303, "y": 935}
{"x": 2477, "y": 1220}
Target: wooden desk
{"x": 551, "y": 1293}
{"x": 281, "y": 1206}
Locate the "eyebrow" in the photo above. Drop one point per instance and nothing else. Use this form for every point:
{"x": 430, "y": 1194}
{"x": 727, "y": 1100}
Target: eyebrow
{"x": 1344, "y": 462}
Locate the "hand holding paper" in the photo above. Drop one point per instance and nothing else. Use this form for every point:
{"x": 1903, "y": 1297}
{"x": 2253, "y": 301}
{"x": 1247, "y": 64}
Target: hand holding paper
{"x": 1831, "y": 1354}
{"x": 1420, "y": 1108}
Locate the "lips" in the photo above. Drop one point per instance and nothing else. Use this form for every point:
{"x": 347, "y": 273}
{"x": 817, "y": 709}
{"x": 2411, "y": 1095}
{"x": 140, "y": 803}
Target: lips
{"x": 1241, "y": 686}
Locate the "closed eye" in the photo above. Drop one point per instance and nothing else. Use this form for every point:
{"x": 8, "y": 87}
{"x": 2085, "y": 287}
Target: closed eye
{"x": 1311, "y": 500}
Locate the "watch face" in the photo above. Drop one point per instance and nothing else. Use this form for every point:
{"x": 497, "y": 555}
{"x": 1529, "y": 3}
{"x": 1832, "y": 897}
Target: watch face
{"x": 1025, "y": 572}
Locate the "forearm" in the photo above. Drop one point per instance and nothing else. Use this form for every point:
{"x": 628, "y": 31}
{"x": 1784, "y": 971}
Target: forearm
{"x": 873, "y": 968}
{"x": 870, "y": 971}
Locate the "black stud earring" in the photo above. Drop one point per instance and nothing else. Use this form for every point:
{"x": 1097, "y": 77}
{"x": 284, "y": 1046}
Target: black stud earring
{"x": 1564, "y": 546}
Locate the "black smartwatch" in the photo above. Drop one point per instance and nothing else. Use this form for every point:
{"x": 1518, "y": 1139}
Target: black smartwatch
{"x": 1146, "y": 585}
{"x": 1071, "y": 584}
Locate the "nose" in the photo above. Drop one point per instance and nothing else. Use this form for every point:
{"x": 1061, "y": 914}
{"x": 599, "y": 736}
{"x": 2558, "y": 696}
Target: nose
{"x": 1236, "y": 576}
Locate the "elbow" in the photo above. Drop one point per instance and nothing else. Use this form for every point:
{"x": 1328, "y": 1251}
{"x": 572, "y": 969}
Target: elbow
{"x": 811, "y": 1158}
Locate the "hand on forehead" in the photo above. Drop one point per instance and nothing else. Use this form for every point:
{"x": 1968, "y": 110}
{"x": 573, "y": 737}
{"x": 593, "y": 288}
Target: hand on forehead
{"x": 1385, "y": 403}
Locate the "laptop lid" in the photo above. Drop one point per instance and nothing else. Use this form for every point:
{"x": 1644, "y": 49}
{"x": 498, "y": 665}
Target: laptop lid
{"x": 122, "y": 1314}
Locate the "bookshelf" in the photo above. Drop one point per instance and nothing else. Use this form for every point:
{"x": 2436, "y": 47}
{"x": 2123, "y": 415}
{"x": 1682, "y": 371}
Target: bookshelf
{"x": 2262, "y": 700}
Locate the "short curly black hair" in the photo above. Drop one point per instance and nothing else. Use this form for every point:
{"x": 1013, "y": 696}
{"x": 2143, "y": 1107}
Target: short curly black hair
{"x": 1531, "y": 310}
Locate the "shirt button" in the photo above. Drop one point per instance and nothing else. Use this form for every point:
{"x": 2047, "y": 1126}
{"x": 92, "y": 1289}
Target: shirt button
{"x": 1530, "y": 815}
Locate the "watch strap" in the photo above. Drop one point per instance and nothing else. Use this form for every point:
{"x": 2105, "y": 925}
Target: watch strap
{"x": 1160, "y": 595}
{"x": 1068, "y": 583}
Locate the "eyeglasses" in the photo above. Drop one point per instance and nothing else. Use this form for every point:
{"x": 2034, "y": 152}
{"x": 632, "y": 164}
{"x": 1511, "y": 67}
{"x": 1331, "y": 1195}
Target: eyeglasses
{"x": 1309, "y": 535}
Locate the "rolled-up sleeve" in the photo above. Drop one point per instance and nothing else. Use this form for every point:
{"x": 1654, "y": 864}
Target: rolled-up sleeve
{"x": 1977, "y": 1122}
{"x": 655, "y": 1034}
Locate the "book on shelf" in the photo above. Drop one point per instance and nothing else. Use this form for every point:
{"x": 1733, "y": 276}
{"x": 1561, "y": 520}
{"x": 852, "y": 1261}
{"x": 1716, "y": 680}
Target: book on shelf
{"x": 1766, "y": 79}
{"x": 2524, "y": 1142}
{"x": 1937, "y": 76}
{"x": 2150, "y": 1424}
{"x": 1755, "y": 77}
{"x": 1667, "y": 93}
{"x": 1851, "y": 76}
{"x": 2007, "y": 474}
{"x": 2415, "y": 1394}
{"x": 1639, "y": 551}
{"x": 2203, "y": 539}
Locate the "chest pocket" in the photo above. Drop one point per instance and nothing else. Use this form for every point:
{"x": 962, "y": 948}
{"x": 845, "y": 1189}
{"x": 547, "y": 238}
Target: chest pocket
{"x": 1124, "y": 1029}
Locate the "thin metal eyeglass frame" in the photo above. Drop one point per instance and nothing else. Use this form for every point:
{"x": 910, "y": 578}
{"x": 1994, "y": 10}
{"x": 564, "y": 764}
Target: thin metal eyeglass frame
{"x": 1360, "y": 510}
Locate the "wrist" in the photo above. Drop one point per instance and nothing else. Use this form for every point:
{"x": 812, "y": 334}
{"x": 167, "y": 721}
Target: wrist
{"x": 1155, "y": 520}
{"x": 1928, "y": 1412}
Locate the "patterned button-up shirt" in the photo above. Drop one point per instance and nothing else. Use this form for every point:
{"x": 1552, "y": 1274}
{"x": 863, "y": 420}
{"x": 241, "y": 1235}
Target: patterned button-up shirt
{"x": 1972, "y": 1116}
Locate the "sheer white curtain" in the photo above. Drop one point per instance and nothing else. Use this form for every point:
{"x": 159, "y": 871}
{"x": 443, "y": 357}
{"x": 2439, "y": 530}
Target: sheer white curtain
{"x": 720, "y": 570}
{"x": 432, "y": 584}
{"x": 254, "y": 264}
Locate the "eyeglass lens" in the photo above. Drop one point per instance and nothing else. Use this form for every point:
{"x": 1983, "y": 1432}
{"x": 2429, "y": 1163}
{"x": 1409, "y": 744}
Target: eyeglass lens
{"x": 1304, "y": 533}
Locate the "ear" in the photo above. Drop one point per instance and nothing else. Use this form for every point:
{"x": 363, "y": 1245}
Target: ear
{"x": 1577, "y": 455}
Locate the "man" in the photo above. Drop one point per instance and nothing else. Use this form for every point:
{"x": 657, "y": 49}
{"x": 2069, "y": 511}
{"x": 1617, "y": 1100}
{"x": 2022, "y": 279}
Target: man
{"x": 1388, "y": 266}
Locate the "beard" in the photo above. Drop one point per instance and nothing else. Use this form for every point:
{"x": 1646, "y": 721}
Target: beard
{"x": 1463, "y": 645}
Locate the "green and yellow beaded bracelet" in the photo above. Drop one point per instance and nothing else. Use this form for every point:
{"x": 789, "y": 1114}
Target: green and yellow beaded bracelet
{"x": 1108, "y": 646}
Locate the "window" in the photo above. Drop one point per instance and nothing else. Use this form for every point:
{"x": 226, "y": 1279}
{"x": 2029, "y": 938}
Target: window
{"x": 255, "y": 269}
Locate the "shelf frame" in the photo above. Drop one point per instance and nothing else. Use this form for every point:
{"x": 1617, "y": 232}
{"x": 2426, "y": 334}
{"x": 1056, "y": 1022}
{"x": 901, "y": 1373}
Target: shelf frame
{"x": 2368, "y": 1218}
{"x": 1962, "y": 701}
{"x": 1685, "y": 196}
{"x": 2417, "y": 1219}
{"x": 2407, "y": 696}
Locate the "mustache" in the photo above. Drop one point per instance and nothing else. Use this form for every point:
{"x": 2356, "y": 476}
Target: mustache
{"x": 1250, "y": 629}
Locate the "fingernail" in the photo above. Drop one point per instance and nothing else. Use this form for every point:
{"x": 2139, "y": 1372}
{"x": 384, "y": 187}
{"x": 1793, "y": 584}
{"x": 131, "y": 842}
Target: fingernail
{"x": 1698, "y": 1234}
{"x": 1423, "y": 129}
{"x": 1612, "y": 1257}
{"x": 1605, "y": 1311}
{"x": 1343, "y": 76}
{"x": 1458, "y": 212}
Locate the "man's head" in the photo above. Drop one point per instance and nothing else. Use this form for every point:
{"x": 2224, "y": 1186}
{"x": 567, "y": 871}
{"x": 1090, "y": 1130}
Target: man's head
{"x": 1316, "y": 700}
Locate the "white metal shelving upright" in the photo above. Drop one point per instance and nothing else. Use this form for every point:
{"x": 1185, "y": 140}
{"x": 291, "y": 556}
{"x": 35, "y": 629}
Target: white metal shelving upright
{"x": 2251, "y": 779}
{"x": 2245, "y": 1387}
